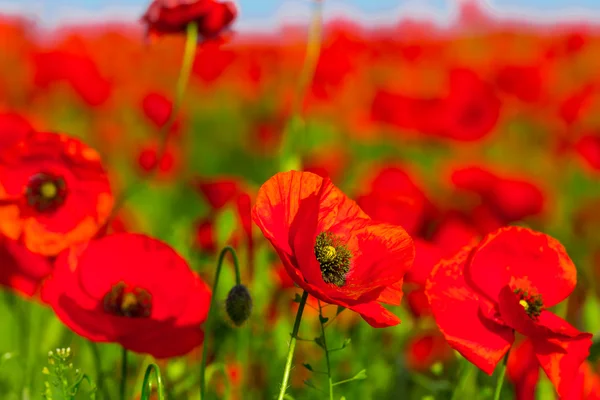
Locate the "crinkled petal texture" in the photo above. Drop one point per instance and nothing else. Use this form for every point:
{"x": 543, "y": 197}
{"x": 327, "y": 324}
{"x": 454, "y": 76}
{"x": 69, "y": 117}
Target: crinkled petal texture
{"x": 293, "y": 208}
{"x": 88, "y": 200}
{"x": 86, "y": 273}
{"x": 477, "y": 300}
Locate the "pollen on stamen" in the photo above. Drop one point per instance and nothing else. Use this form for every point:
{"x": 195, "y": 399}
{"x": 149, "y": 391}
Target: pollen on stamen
{"x": 333, "y": 257}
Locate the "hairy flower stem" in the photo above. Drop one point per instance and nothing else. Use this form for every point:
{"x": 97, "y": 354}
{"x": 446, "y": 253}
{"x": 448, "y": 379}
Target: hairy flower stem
{"x": 123, "y": 384}
{"x": 147, "y": 388}
{"x": 324, "y": 343}
{"x": 292, "y": 347}
{"x": 189, "y": 55}
{"x": 212, "y": 302}
{"x": 500, "y": 380}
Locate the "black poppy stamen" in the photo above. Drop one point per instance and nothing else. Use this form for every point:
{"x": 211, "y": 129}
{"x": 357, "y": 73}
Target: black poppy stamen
{"x": 124, "y": 301}
{"x": 46, "y": 192}
{"x": 333, "y": 257}
{"x": 532, "y": 303}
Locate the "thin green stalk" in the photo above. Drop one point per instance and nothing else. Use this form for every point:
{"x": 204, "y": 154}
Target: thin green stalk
{"x": 238, "y": 280}
{"x": 291, "y": 141}
{"x": 292, "y": 347}
{"x": 189, "y": 56}
{"x": 147, "y": 385}
{"x": 123, "y": 383}
{"x": 99, "y": 371}
{"x": 500, "y": 380}
{"x": 324, "y": 342}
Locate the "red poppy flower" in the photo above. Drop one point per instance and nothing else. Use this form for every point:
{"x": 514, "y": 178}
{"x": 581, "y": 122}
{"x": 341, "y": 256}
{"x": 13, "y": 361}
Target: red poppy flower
{"x": 426, "y": 349}
{"x": 219, "y": 191}
{"x": 395, "y": 198}
{"x": 471, "y": 110}
{"x": 588, "y": 148}
{"x": 505, "y": 284}
{"x": 523, "y": 370}
{"x": 129, "y": 289}
{"x": 22, "y": 270}
{"x": 521, "y": 81}
{"x": 79, "y": 71}
{"x": 205, "y": 236}
{"x": 575, "y": 104}
{"x": 331, "y": 248}
{"x": 172, "y": 16}
{"x": 13, "y": 128}
{"x": 53, "y": 192}
{"x": 157, "y": 108}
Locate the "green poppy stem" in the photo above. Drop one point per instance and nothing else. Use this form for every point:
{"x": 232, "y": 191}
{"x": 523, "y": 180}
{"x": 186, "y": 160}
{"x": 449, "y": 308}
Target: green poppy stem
{"x": 501, "y": 376}
{"x": 147, "y": 385}
{"x": 212, "y": 301}
{"x": 189, "y": 55}
{"x": 292, "y": 347}
{"x": 324, "y": 341}
{"x": 123, "y": 384}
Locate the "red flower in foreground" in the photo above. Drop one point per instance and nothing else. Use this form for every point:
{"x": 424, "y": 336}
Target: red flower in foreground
{"x": 505, "y": 284}
{"x": 523, "y": 371}
{"x": 331, "y": 248}
{"x": 21, "y": 269}
{"x": 130, "y": 289}
{"x": 168, "y": 16}
{"x": 53, "y": 192}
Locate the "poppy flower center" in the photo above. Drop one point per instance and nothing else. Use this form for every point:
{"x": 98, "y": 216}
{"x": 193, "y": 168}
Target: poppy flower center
{"x": 125, "y": 301}
{"x": 333, "y": 257}
{"x": 531, "y": 303}
{"x": 46, "y": 192}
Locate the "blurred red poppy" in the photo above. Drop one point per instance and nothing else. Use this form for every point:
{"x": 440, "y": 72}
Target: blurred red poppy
{"x": 22, "y": 270}
{"x": 13, "y": 128}
{"x": 505, "y": 284}
{"x": 396, "y": 199}
{"x": 130, "y": 289}
{"x": 425, "y": 349}
{"x": 54, "y": 192}
{"x": 525, "y": 82}
{"x": 331, "y": 248}
{"x": 173, "y": 16}
{"x": 588, "y": 148}
{"x": 78, "y": 70}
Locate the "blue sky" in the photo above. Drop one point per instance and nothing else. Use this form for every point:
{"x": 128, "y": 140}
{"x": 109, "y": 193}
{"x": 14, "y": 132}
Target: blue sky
{"x": 261, "y": 13}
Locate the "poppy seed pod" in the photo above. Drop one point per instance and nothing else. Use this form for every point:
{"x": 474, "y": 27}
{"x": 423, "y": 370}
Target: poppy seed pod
{"x": 238, "y": 304}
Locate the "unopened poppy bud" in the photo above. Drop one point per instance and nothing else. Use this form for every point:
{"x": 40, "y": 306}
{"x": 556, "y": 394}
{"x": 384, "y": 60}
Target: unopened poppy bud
{"x": 238, "y": 304}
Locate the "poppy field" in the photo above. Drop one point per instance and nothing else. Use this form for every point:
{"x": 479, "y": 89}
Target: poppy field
{"x": 325, "y": 211}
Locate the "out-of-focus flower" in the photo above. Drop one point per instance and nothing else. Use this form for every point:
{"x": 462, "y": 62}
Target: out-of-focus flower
{"x": 425, "y": 349}
{"x": 505, "y": 284}
{"x": 130, "y": 289}
{"x": 525, "y": 82}
{"x": 13, "y": 128}
{"x": 22, "y": 270}
{"x": 157, "y": 108}
{"x": 331, "y": 248}
{"x": 172, "y": 17}
{"x": 571, "y": 108}
{"x": 395, "y": 198}
{"x": 469, "y": 110}
{"x": 513, "y": 198}
{"x": 54, "y": 192}
{"x": 149, "y": 162}
{"x": 78, "y": 70}
{"x": 588, "y": 148}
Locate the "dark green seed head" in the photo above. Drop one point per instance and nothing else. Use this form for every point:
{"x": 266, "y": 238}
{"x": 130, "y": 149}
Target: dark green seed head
{"x": 238, "y": 304}
{"x": 333, "y": 257}
{"x": 532, "y": 303}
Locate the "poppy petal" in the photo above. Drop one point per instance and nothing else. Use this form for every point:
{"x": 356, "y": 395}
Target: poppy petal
{"x": 520, "y": 253}
{"x": 457, "y": 311}
{"x": 376, "y": 315}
